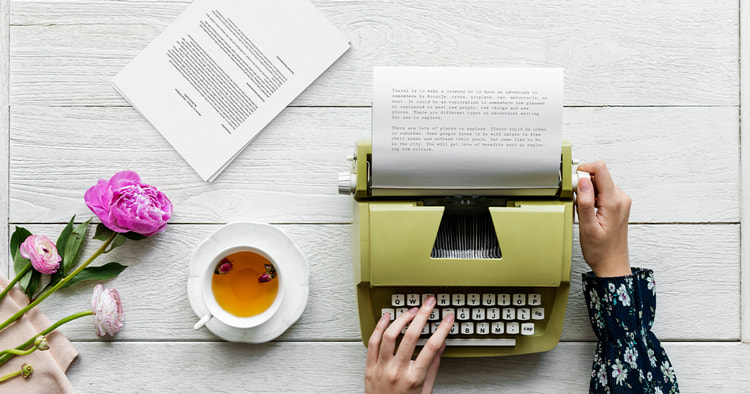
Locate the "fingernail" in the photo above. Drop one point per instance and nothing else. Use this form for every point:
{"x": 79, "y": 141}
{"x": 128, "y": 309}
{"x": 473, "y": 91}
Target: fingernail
{"x": 584, "y": 184}
{"x": 430, "y": 301}
{"x": 414, "y": 310}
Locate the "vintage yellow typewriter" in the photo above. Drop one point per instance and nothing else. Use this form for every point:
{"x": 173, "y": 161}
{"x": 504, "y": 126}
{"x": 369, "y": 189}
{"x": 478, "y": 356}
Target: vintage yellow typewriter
{"x": 498, "y": 259}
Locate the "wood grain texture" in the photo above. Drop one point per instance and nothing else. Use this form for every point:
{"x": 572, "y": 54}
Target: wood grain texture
{"x": 339, "y": 367}
{"x": 4, "y": 133}
{"x": 696, "y": 286}
{"x": 678, "y": 164}
{"x": 633, "y": 53}
{"x": 652, "y": 88}
{"x": 745, "y": 179}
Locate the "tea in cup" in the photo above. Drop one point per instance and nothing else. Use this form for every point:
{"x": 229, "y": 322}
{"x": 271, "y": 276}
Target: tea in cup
{"x": 242, "y": 287}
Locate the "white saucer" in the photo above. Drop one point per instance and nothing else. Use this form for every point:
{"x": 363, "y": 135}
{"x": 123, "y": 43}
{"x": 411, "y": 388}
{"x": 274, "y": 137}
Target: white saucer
{"x": 284, "y": 252}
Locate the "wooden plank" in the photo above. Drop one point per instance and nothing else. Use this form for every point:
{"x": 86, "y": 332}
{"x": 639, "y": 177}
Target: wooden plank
{"x": 335, "y": 367}
{"x": 678, "y": 164}
{"x": 663, "y": 163}
{"x": 4, "y": 133}
{"x": 630, "y": 53}
{"x": 698, "y": 287}
{"x": 745, "y": 170}
{"x": 680, "y": 260}
{"x": 287, "y": 174}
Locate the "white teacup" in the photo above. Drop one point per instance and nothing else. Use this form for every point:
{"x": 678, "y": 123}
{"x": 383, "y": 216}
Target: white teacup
{"x": 216, "y": 311}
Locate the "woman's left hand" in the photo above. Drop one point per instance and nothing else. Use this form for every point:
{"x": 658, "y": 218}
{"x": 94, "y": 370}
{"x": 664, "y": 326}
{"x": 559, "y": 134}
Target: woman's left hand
{"x": 389, "y": 372}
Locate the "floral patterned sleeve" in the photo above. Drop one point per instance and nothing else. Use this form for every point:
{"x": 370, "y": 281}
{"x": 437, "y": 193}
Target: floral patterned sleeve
{"x": 628, "y": 356}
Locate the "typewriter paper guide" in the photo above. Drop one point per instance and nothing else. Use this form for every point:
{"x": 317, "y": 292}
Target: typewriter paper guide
{"x": 468, "y": 129}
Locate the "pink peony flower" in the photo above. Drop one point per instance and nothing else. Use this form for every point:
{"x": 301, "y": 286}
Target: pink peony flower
{"x": 124, "y": 204}
{"x": 107, "y": 310}
{"x": 42, "y": 252}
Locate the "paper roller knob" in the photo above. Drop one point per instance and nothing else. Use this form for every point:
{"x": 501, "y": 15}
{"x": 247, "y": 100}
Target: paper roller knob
{"x": 347, "y": 183}
{"x": 577, "y": 176}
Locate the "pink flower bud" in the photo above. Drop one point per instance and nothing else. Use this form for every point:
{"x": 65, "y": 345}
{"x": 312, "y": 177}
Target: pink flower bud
{"x": 42, "y": 253}
{"x": 224, "y": 266}
{"x": 263, "y": 278}
{"x": 107, "y": 310}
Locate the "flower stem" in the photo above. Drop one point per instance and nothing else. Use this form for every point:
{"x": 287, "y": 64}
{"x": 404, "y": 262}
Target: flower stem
{"x": 59, "y": 284}
{"x": 10, "y": 375}
{"x": 7, "y": 354}
{"x": 16, "y": 352}
{"x": 16, "y": 279}
{"x": 25, "y": 371}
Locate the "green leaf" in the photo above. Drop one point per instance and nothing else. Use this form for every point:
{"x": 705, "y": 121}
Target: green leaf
{"x": 106, "y": 271}
{"x": 62, "y": 240}
{"x": 102, "y": 232}
{"x": 33, "y": 284}
{"x": 19, "y": 263}
{"x": 16, "y": 240}
{"x": 134, "y": 236}
{"x": 73, "y": 246}
{"x": 119, "y": 240}
{"x": 61, "y": 243}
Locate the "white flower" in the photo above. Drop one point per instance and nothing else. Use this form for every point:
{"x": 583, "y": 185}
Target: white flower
{"x": 622, "y": 295}
{"x": 649, "y": 376}
{"x": 599, "y": 320}
{"x": 651, "y": 357}
{"x": 611, "y": 287}
{"x": 602, "y": 375}
{"x": 107, "y": 310}
{"x": 630, "y": 356}
{"x": 657, "y": 390}
{"x": 667, "y": 370}
{"x": 594, "y": 298}
{"x": 619, "y": 373}
{"x": 651, "y": 283}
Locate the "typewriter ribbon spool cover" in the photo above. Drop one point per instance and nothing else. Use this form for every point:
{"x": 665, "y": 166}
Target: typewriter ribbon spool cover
{"x": 465, "y": 192}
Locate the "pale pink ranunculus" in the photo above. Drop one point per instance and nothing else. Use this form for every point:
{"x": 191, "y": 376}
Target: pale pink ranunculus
{"x": 42, "y": 252}
{"x": 124, "y": 204}
{"x": 107, "y": 311}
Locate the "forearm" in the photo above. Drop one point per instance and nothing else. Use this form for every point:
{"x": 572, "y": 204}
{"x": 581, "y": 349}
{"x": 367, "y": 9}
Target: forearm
{"x": 628, "y": 356}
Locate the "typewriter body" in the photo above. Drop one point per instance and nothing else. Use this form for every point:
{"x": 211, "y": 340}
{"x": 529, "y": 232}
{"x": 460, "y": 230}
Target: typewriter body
{"x": 498, "y": 259}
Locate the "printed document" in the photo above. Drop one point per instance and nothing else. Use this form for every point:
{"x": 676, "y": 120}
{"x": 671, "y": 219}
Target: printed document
{"x": 466, "y": 128}
{"x": 224, "y": 69}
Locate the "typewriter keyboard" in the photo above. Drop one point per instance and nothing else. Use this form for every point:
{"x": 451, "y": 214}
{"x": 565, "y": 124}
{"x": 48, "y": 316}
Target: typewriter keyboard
{"x": 482, "y": 318}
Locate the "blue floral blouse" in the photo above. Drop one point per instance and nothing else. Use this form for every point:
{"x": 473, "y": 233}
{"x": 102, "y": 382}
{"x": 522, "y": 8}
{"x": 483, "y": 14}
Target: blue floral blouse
{"x": 628, "y": 356}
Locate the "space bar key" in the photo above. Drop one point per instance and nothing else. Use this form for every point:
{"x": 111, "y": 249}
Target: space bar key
{"x": 475, "y": 342}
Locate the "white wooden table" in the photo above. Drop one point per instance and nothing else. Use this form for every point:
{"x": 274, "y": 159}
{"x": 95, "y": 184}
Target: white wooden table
{"x": 652, "y": 88}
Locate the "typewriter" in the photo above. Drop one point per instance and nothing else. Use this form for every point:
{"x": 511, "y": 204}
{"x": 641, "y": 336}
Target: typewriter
{"x": 498, "y": 259}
